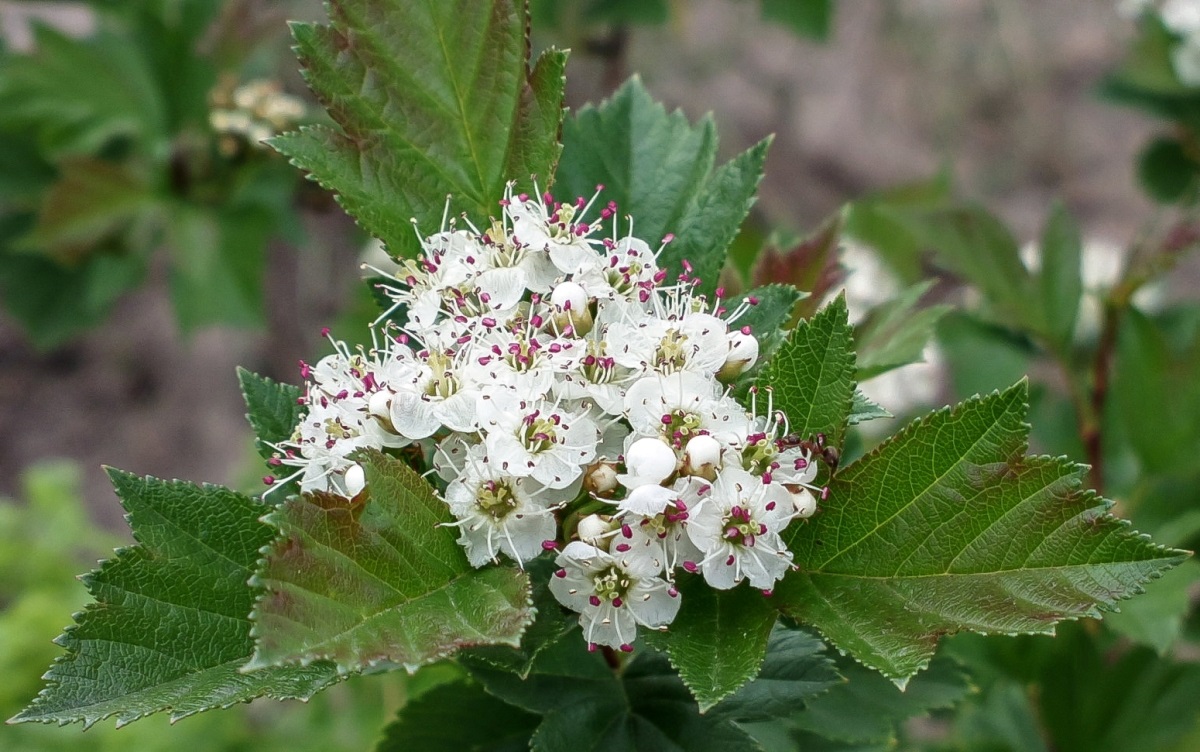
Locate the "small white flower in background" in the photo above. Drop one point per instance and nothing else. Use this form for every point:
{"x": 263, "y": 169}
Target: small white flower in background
{"x": 1181, "y": 16}
{"x": 254, "y": 111}
{"x": 612, "y": 597}
{"x": 541, "y": 364}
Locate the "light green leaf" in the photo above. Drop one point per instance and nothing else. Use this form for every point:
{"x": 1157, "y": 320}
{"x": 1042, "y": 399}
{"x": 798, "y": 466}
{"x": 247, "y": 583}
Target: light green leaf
{"x": 431, "y": 99}
{"x": 658, "y": 168}
{"x": 718, "y": 640}
{"x": 456, "y": 717}
{"x": 895, "y": 333}
{"x": 1156, "y": 618}
{"x": 949, "y": 526}
{"x": 1060, "y": 281}
{"x": 813, "y": 374}
{"x": 863, "y": 409}
{"x": 378, "y": 579}
{"x": 219, "y": 264}
{"x": 138, "y": 649}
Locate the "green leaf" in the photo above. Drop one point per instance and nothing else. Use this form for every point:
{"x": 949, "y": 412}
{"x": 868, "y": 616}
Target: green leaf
{"x": 378, "y": 579}
{"x": 1060, "y": 281}
{"x": 1166, "y": 170}
{"x": 718, "y": 640}
{"x": 431, "y": 99}
{"x": 273, "y": 410}
{"x": 586, "y": 706}
{"x": 867, "y": 707}
{"x": 949, "y": 526}
{"x": 658, "y": 168}
{"x": 168, "y": 630}
{"x": 863, "y": 409}
{"x": 808, "y": 18}
{"x": 813, "y": 374}
{"x": 895, "y": 333}
{"x": 795, "y": 670}
{"x": 1156, "y": 618}
{"x": 552, "y": 622}
{"x": 219, "y": 264}
{"x": 808, "y": 264}
{"x": 94, "y": 200}
{"x": 458, "y": 717}
{"x": 768, "y": 320}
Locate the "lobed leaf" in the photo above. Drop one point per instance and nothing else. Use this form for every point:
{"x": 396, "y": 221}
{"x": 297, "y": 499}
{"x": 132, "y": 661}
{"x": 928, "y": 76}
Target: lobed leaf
{"x": 169, "y": 630}
{"x": 378, "y": 579}
{"x": 430, "y": 99}
{"x": 949, "y": 526}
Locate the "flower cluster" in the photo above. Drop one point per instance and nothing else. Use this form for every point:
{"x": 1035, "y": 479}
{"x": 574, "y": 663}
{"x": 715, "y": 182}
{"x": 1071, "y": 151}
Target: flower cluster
{"x": 548, "y": 369}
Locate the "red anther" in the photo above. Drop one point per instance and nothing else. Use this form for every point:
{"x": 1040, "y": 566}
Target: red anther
{"x": 626, "y": 648}
{"x": 752, "y": 300}
{"x": 324, "y": 331}
{"x": 269, "y": 480}
{"x": 594, "y": 600}
{"x": 560, "y": 573}
{"x": 549, "y": 545}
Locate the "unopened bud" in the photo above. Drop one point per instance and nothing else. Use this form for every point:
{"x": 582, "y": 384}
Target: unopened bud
{"x": 743, "y": 354}
{"x": 570, "y": 302}
{"x": 702, "y": 457}
{"x": 806, "y": 503}
{"x": 356, "y": 480}
{"x": 594, "y": 530}
{"x": 648, "y": 461}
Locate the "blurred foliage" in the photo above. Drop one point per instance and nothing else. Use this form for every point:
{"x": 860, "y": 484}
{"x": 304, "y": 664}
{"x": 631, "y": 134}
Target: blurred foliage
{"x": 140, "y": 137}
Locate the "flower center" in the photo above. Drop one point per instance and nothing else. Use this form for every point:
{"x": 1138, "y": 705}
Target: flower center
{"x": 672, "y": 351}
{"x": 739, "y": 528}
{"x": 443, "y": 384}
{"x": 540, "y": 432}
{"x": 611, "y": 585}
{"x": 496, "y": 500}
{"x": 759, "y": 454}
{"x": 679, "y": 426}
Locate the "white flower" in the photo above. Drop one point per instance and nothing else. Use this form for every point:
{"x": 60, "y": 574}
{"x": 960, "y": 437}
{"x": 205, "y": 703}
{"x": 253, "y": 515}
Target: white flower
{"x": 737, "y": 528}
{"x": 648, "y": 461}
{"x": 681, "y": 405}
{"x": 654, "y": 525}
{"x": 497, "y": 514}
{"x": 535, "y": 438}
{"x": 613, "y": 598}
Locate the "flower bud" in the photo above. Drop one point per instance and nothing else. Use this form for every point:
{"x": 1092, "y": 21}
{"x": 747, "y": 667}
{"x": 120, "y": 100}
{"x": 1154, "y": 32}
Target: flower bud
{"x": 702, "y": 457}
{"x": 356, "y": 480}
{"x": 743, "y": 354}
{"x": 648, "y": 460}
{"x": 594, "y": 530}
{"x": 601, "y": 479}
{"x": 571, "y": 309}
{"x": 806, "y": 503}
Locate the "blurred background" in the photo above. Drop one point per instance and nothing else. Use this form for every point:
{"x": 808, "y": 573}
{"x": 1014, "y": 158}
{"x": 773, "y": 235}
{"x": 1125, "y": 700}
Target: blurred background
{"x": 149, "y": 245}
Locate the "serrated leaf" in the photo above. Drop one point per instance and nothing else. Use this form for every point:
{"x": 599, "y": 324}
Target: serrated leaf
{"x": 273, "y": 410}
{"x": 894, "y": 334}
{"x": 718, "y": 640}
{"x": 378, "y": 579}
{"x": 866, "y": 707}
{"x": 863, "y": 409}
{"x": 551, "y": 624}
{"x": 169, "y": 629}
{"x": 658, "y": 168}
{"x": 813, "y": 374}
{"x": 586, "y": 706}
{"x": 949, "y": 526}
{"x": 796, "y": 668}
{"x": 1156, "y": 618}
{"x": 431, "y": 99}
{"x": 769, "y": 320}
{"x": 458, "y": 717}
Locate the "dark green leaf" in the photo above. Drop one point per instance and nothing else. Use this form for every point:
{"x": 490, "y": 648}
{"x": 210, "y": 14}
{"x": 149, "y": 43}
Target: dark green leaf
{"x": 1166, "y": 170}
{"x": 863, "y": 409}
{"x": 219, "y": 264}
{"x": 949, "y": 526}
{"x": 768, "y": 321}
{"x": 813, "y": 374}
{"x": 458, "y": 717}
{"x": 169, "y": 629}
{"x": 585, "y": 706}
{"x": 808, "y": 18}
{"x": 273, "y": 410}
{"x": 432, "y": 99}
{"x": 895, "y": 333}
{"x": 378, "y": 579}
{"x": 1060, "y": 281}
{"x": 795, "y": 670}
{"x": 867, "y": 707}
{"x": 658, "y": 168}
{"x": 718, "y": 640}
{"x": 1156, "y": 618}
